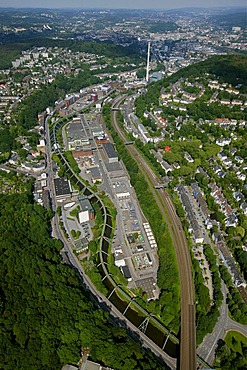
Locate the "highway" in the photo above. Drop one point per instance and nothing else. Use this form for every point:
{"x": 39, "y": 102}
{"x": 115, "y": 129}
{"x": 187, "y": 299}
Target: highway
{"x": 188, "y": 325}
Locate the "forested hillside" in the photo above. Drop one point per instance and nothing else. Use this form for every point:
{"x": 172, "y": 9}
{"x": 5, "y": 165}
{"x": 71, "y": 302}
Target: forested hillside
{"x": 227, "y": 68}
{"x": 46, "y": 316}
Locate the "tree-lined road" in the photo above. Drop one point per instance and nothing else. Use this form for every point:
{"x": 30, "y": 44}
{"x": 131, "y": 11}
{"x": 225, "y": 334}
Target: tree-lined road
{"x": 224, "y": 324}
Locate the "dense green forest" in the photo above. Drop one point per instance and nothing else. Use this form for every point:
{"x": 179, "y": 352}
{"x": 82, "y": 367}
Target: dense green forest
{"x": 46, "y": 315}
{"x": 228, "y": 68}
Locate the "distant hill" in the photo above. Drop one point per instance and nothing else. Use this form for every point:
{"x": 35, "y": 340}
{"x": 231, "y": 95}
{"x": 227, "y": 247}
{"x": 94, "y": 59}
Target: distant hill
{"x": 229, "y": 20}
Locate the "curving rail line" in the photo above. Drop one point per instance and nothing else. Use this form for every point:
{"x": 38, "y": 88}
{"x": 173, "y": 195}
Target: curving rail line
{"x": 188, "y": 326}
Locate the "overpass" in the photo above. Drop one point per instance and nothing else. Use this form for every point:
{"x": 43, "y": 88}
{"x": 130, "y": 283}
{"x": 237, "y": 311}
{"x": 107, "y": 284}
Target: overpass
{"x": 129, "y": 142}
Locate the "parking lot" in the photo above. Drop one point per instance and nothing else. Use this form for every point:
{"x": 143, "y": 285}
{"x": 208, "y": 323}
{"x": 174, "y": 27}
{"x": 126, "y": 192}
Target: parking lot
{"x": 139, "y": 254}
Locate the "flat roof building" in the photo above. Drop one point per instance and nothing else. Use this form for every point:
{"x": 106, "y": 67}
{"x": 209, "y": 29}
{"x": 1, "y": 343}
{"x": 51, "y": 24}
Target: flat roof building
{"x": 115, "y": 169}
{"x": 69, "y": 367}
{"x": 86, "y": 365}
{"x": 62, "y": 188}
{"x": 126, "y": 272}
{"x": 121, "y": 189}
{"x": 95, "y": 174}
{"x": 77, "y": 135}
{"x": 87, "y": 211}
{"x": 82, "y": 153}
{"x": 97, "y": 131}
{"x": 110, "y": 152}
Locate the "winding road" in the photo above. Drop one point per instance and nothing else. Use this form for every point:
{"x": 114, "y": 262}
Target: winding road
{"x": 206, "y": 349}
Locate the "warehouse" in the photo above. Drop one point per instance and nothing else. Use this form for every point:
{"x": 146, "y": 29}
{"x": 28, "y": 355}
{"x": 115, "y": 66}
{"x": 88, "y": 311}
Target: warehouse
{"x": 77, "y": 136}
{"x": 110, "y": 152}
{"x": 62, "y": 188}
{"x": 115, "y": 169}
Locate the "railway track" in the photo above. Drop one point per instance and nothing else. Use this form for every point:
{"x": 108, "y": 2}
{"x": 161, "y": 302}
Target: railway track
{"x": 187, "y": 360}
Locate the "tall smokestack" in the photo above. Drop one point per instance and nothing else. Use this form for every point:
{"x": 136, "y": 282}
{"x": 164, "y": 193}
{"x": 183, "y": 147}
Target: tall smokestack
{"x": 148, "y": 59}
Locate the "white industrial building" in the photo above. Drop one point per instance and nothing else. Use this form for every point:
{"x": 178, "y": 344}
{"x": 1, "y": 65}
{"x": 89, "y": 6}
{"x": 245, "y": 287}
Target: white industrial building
{"x": 83, "y": 216}
{"x": 119, "y": 257}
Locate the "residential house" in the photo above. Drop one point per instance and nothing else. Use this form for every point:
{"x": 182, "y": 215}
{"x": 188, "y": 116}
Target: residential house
{"x": 243, "y": 206}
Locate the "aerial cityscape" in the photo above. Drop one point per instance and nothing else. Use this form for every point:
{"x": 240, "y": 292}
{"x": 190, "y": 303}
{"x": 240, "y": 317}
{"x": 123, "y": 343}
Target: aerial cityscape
{"x": 123, "y": 192}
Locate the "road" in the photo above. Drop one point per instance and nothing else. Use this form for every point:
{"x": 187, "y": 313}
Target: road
{"x": 103, "y": 301}
{"x": 206, "y": 349}
{"x": 49, "y": 169}
{"x": 20, "y": 170}
{"x": 99, "y": 298}
{"x": 188, "y": 325}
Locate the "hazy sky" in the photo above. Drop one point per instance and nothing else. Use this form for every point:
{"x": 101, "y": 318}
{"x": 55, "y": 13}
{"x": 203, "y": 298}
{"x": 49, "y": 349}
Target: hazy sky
{"x": 131, "y": 4}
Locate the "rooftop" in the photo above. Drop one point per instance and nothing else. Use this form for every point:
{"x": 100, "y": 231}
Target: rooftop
{"x": 85, "y": 204}
{"x": 116, "y": 166}
{"x": 110, "y": 151}
{"x": 62, "y": 186}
